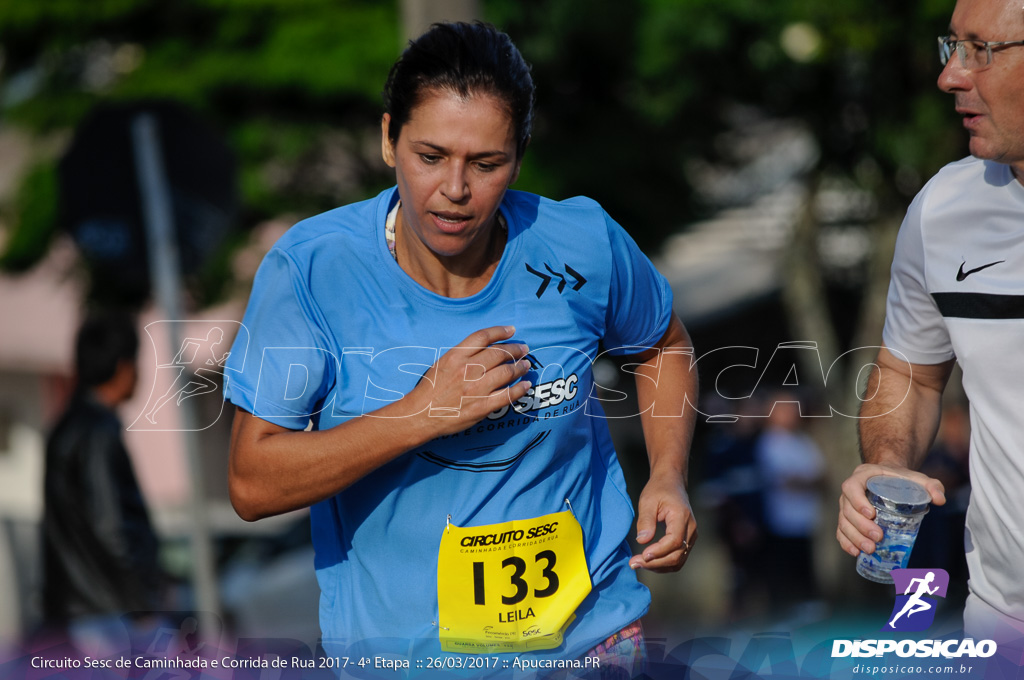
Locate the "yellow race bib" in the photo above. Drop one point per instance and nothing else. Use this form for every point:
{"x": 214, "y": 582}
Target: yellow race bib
{"x": 510, "y": 587}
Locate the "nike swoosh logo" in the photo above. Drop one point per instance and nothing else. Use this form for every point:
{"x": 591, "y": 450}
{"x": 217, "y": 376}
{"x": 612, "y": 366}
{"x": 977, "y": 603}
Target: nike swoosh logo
{"x": 961, "y": 275}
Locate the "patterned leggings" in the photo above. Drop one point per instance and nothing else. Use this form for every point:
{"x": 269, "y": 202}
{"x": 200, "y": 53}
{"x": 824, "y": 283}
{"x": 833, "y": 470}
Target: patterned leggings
{"x": 623, "y": 656}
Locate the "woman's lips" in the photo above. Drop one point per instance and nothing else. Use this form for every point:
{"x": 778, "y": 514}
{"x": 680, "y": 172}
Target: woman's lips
{"x": 450, "y": 223}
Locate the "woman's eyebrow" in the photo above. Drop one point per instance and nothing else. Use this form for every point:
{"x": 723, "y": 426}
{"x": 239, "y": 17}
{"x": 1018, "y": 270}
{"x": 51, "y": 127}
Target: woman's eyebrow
{"x": 443, "y": 150}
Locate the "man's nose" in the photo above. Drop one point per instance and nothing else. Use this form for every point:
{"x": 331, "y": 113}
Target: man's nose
{"x": 954, "y": 76}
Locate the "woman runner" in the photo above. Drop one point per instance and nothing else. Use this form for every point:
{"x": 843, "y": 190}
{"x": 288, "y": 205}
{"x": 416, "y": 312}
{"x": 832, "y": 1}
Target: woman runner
{"x": 416, "y": 369}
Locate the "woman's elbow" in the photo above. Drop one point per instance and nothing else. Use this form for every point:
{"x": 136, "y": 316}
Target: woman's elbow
{"x": 244, "y": 499}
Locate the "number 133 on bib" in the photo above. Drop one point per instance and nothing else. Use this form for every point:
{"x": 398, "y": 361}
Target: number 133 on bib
{"x": 510, "y": 587}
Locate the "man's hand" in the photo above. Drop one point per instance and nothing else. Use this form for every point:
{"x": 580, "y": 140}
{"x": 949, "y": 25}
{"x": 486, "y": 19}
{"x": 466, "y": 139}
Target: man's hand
{"x": 857, "y": 530}
{"x": 897, "y": 427}
{"x": 664, "y": 500}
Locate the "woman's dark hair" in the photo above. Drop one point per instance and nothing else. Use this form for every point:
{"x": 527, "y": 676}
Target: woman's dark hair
{"x": 463, "y": 59}
{"x": 104, "y": 339}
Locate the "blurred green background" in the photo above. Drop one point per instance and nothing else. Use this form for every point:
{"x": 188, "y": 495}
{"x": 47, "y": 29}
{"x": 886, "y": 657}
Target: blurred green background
{"x": 631, "y": 96}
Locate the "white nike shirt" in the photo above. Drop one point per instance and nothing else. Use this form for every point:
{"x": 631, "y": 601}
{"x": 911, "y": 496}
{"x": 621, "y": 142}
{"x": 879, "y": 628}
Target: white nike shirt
{"x": 957, "y": 290}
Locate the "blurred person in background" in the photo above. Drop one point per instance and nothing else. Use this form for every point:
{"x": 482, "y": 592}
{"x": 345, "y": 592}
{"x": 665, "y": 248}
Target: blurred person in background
{"x": 955, "y": 296}
{"x": 734, "y": 486}
{"x": 515, "y": 293}
{"x": 99, "y": 546}
{"x": 940, "y": 540}
{"x": 792, "y": 468}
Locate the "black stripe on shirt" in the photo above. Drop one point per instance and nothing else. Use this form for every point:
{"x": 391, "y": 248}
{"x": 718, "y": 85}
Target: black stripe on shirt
{"x": 492, "y": 466}
{"x": 980, "y": 305}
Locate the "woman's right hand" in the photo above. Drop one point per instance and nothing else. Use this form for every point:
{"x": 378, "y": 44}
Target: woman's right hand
{"x": 471, "y": 380}
{"x": 274, "y": 469}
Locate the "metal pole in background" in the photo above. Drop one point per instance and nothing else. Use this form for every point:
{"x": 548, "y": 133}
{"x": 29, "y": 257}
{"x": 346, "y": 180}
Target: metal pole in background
{"x": 165, "y": 275}
{"x": 418, "y": 15}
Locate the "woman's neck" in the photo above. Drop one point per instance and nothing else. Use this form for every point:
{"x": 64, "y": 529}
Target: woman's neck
{"x": 455, "y": 276}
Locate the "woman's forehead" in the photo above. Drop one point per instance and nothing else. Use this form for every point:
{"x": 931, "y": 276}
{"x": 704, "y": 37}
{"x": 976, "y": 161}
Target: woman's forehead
{"x": 477, "y": 98}
{"x": 442, "y": 111}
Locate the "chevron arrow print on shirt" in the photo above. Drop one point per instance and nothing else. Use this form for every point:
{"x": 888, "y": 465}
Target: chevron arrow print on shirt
{"x": 578, "y": 279}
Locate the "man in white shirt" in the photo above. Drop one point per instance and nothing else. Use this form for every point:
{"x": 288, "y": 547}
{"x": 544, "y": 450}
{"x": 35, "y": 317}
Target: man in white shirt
{"x": 957, "y": 295}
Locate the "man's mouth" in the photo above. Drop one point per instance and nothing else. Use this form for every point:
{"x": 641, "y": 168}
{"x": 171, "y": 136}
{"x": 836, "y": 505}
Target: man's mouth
{"x": 970, "y": 116}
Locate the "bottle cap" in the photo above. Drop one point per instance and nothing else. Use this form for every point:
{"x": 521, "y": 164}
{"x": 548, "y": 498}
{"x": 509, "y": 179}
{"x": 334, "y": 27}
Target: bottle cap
{"x": 898, "y": 495}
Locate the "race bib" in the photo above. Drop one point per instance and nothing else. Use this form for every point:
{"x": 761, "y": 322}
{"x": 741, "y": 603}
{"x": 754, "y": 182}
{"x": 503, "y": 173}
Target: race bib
{"x": 510, "y": 587}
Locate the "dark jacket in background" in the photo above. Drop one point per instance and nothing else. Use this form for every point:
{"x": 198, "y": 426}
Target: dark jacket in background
{"x": 99, "y": 547}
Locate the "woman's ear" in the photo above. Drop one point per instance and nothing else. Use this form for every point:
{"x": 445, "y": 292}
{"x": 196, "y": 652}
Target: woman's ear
{"x": 515, "y": 173}
{"x": 387, "y": 150}
{"x": 519, "y": 162}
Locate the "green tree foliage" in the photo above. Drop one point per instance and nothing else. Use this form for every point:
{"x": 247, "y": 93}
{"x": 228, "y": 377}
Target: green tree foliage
{"x": 226, "y": 58}
{"x": 36, "y": 208}
{"x": 628, "y": 92}
{"x": 292, "y": 83}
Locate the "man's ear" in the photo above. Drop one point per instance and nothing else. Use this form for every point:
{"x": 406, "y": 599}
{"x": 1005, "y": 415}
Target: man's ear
{"x": 387, "y": 150}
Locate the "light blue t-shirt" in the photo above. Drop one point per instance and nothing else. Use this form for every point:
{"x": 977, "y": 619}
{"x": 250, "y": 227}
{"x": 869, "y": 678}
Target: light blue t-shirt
{"x": 335, "y": 329}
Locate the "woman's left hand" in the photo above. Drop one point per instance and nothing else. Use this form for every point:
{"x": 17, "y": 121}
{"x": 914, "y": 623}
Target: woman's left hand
{"x": 664, "y": 501}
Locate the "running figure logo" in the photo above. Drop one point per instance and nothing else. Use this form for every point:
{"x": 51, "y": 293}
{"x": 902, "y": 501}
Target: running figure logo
{"x": 916, "y": 592}
{"x": 195, "y": 370}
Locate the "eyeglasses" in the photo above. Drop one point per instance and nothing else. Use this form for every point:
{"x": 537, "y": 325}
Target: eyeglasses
{"x": 975, "y": 55}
